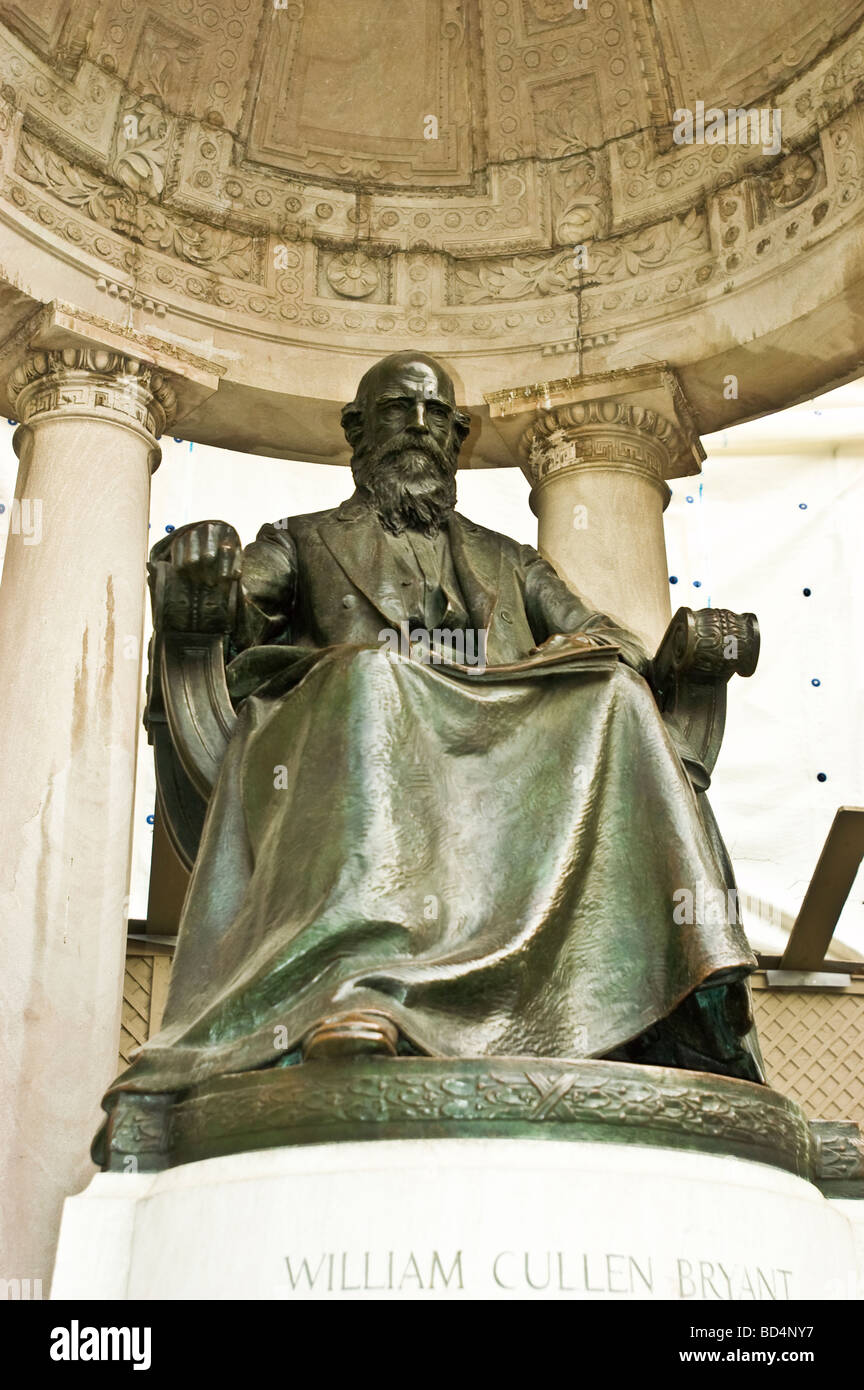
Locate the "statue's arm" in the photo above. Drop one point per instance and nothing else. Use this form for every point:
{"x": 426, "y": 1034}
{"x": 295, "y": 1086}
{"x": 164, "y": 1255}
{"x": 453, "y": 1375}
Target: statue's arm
{"x": 268, "y": 583}
{"x": 554, "y": 608}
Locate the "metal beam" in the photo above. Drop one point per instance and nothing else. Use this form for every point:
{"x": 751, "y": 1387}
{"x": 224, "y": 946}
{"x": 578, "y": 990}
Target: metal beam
{"x": 829, "y": 888}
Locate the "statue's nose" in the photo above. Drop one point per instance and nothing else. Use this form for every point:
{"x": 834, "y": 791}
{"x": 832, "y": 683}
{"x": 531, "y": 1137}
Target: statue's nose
{"x": 417, "y": 417}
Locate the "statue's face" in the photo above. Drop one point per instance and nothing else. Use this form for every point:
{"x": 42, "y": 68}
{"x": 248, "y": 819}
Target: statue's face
{"x": 406, "y": 451}
{"x": 414, "y": 401}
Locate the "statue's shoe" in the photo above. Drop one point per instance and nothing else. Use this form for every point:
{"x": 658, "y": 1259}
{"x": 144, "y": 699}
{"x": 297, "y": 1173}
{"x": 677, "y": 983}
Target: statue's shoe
{"x": 357, "y": 1034}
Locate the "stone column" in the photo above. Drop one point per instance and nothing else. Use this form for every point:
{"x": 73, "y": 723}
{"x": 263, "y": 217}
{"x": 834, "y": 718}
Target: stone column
{"x": 71, "y": 625}
{"x": 597, "y": 451}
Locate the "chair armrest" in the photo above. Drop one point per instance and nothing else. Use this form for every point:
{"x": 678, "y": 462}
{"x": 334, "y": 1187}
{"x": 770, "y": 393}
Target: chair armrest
{"x": 697, "y": 657}
{"x": 189, "y": 716}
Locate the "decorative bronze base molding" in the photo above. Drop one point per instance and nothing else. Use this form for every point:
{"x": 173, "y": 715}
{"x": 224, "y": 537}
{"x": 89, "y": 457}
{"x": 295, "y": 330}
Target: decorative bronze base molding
{"x": 839, "y": 1158}
{"x": 336, "y": 1101}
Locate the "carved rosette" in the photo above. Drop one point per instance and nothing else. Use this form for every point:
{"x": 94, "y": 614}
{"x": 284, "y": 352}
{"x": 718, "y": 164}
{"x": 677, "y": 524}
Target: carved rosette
{"x": 87, "y": 381}
{"x": 353, "y": 275}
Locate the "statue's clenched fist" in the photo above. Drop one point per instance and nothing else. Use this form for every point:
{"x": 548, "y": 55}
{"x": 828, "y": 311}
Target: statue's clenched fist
{"x": 195, "y": 572}
{"x": 207, "y": 553}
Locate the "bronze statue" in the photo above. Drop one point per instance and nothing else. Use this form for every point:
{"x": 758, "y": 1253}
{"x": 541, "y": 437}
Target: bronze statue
{"x": 408, "y": 853}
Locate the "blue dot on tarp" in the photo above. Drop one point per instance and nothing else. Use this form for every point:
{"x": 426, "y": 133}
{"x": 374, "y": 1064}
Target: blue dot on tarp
{"x": 11, "y": 422}
{"x": 802, "y": 506}
{"x": 697, "y": 583}
{"x": 2, "y": 508}
{"x": 815, "y": 681}
{"x": 151, "y": 820}
{"x": 673, "y": 579}
{"x": 177, "y": 439}
{"x": 688, "y": 499}
{"x": 169, "y": 528}
{"x": 806, "y": 592}
{"x": 821, "y": 776}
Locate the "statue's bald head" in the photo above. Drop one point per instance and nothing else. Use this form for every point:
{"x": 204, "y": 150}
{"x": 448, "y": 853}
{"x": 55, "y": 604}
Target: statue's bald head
{"x": 402, "y": 375}
{"x": 405, "y": 433}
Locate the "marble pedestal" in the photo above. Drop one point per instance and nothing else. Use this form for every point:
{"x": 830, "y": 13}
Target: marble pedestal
{"x": 467, "y": 1218}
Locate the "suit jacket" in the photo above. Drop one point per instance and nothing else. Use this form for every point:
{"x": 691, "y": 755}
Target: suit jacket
{"x": 331, "y": 577}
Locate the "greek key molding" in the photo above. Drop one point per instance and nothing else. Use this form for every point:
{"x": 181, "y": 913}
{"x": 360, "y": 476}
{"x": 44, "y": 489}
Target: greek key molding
{"x": 90, "y": 381}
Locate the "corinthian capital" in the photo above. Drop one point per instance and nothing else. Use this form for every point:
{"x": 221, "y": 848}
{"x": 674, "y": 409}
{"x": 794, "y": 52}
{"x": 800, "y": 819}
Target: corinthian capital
{"x": 88, "y": 381}
{"x": 636, "y": 420}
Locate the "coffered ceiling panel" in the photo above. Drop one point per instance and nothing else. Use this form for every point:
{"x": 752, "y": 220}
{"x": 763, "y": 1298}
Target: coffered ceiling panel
{"x": 731, "y": 53}
{"x": 376, "y": 91}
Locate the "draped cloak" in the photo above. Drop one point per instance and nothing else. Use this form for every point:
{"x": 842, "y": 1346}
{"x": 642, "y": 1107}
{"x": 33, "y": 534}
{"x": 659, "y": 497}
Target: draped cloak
{"x": 492, "y": 858}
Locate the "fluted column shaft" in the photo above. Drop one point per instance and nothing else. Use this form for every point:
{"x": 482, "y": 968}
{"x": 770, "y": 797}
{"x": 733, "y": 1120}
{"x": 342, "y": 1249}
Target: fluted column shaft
{"x": 71, "y": 624}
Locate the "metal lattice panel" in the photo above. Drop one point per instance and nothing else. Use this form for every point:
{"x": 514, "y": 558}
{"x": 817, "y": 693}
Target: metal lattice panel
{"x": 145, "y": 986}
{"x": 135, "y": 1018}
{"x": 813, "y": 1045}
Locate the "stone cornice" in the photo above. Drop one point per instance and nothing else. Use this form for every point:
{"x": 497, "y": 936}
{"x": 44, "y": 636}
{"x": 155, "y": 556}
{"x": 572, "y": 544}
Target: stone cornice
{"x": 141, "y": 376}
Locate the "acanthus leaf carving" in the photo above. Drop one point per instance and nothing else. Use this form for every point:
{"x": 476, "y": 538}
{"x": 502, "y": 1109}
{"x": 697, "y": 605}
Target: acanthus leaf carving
{"x": 132, "y": 214}
{"x": 523, "y": 277}
{"x": 580, "y": 202}
{"x": 41, "y": 166}
{"x": 142, "y": 152}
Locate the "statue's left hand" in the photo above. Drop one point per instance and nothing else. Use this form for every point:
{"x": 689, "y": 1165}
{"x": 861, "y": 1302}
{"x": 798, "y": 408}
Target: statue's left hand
{"x": 628, "y": 649}
{"x": 569, "y": 641}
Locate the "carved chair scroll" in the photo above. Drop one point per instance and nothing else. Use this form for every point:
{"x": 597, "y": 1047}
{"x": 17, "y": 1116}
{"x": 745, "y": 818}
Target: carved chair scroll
{"x": 190, "y": 717}
{"x": 698, "y": 655}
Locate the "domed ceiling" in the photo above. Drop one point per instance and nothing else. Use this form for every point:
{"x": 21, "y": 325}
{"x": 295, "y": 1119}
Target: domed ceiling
{"x": 285, "y": 189}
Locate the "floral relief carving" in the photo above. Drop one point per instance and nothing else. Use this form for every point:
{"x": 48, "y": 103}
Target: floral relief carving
{"x": 523, "y": 277}
{"x": 165, "y": 166}
{"x": 564, "y": 129}
{"x": 792, "y": 180}
{"x": 166, "y": 65}
{"x": 580, "y": 202}
{"x": 755, "y": 1123}
{"x": 133, "y": 215}
{"x": 142, "y": 154}
{"x": 650, "y": 247}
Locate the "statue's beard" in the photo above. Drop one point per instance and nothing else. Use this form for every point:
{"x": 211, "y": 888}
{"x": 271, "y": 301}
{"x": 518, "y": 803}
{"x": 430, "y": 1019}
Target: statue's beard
{"x": 411, "y": 483}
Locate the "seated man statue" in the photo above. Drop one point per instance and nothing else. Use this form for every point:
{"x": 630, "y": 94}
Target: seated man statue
{"x": 421, "y": 846}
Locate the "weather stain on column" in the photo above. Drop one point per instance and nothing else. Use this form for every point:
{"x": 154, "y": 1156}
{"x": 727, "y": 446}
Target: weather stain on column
{"x": 79, "y": 697}
{"x": 106, "y": 677}
{"x": 35, "y": 999}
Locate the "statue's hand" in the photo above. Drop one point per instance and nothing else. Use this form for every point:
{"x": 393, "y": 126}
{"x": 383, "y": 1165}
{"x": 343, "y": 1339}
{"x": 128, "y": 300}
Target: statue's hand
{"x": 206, "y": 554}
{"x": 196, "y": 578}
{"x": 570, "y": 641}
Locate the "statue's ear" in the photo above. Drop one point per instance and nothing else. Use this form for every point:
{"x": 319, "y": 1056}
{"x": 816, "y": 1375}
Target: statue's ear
{"x": 352, "y": 423}
{"x": 461, "y": 424}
